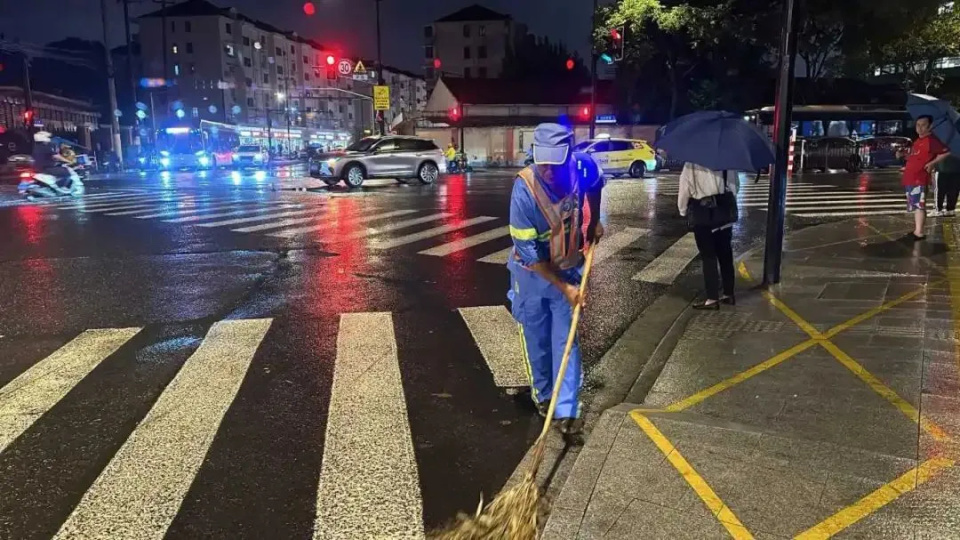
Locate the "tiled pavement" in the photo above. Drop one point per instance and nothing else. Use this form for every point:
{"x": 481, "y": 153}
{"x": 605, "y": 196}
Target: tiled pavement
{"x": 825, "y": 407}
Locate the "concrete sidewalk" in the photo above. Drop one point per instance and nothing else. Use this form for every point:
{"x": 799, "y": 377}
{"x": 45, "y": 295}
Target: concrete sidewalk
{"x": 825, "y": 406}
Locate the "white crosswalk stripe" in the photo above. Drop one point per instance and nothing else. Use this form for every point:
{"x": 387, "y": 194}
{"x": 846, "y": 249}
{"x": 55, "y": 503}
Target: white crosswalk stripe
{"x": 370, "y": 231}
{"x": 497, "y": 336}
{"x": 144, "y": 205}
{"x": 464, "y": 243}
{"x": 815, "y": 200}
{"x": 166, "y": 211}
{"x": 242, "y": 211}
{"x": 669, "y": 264}
{"x": 26, "y": 398}
{"x": 264, "y": 217}
{"x": 429, "y": 233}
{"x": 289, "y": 233}
{"x": 139, "y": 492}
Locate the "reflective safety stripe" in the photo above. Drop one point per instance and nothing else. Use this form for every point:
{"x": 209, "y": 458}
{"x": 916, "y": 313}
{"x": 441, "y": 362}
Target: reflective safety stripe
{"x": 523, "y": 234}
{"x": 526, "y": 363}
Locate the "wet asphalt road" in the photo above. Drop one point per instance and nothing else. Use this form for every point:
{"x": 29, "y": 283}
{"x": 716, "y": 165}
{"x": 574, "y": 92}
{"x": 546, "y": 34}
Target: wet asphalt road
{"x": 185, "y": 252}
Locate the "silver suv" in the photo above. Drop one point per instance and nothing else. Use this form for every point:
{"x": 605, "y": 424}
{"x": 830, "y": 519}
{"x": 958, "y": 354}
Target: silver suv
{"x": 402, "y": 158}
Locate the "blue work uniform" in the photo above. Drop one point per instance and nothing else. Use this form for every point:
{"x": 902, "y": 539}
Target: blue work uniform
{"x": 540, "y": 308}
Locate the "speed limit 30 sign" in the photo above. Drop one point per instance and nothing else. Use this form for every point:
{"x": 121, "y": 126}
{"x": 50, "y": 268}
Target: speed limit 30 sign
{"x": 345, "y": 68}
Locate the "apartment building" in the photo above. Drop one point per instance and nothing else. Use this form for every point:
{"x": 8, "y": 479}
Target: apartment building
{"x": 470, "y": 43}
{"x": 223, "y": 66}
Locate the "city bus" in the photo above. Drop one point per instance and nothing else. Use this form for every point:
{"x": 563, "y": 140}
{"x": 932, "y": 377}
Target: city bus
{"x": 187, "y": 147}
{"x": 854, "y": 121}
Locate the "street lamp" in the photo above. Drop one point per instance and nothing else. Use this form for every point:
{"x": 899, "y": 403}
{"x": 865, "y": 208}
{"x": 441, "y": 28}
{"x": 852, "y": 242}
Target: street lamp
{"x": 280, "y": 96}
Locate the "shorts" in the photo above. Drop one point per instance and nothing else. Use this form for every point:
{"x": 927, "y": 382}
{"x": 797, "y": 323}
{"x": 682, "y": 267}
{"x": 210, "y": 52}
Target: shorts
{"x": 916, "y": 196}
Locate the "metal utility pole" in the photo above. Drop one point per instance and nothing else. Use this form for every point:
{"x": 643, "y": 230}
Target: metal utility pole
{"x": 28, "y": 95}
{"x": 133, "y": 76}
{"x": 163, "y": 36}
{"x": 776, "y": 204}
{"x": 111, "y": 87}
{"x": 380, "y": 123}
{"x": 593, "y": 72}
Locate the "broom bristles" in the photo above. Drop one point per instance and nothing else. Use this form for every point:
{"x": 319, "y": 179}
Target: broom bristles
{"x": 513, "y": 514}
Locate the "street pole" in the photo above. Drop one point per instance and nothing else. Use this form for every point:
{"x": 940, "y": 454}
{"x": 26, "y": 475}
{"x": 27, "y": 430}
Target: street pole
{"x": 593, "y": 73}
{"x": 163, "y": 36}
{"x": 286, "y": 108}
{"x": 133, "y": 77}
{"x": 776, "y": 204}
{"x": 111, "y": 87}
{"x": 379, "y": 117}
{"x": 28, "y": 95}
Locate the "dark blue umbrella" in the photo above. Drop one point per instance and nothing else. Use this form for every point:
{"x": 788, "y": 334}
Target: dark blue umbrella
{"x": 717, "y": 140}
{"x": 945, "y": 118}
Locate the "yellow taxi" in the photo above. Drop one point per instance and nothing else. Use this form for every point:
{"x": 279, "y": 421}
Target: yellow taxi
{"x": 621, "y": 156}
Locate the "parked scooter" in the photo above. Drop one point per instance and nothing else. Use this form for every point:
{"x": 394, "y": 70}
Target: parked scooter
{"x": 37, "y": 185}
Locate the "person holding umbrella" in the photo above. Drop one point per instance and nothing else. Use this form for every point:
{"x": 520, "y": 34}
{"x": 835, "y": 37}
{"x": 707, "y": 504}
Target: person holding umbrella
{"x": 714, "y": 145}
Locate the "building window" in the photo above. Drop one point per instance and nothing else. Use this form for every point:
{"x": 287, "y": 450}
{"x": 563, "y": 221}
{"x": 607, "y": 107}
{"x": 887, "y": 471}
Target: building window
{"x": 189, "y": 47}
{"x": 466, "y": 53}
{"x": 176, "y": 69}
{"x": 193, "y": 67}
{"x": 175, "y": 49}
{"x": 246, "y": 41}
{"x": 466, "y": 30}
{"x": 173, "y": 26}
{"x": 279, "y": 70}
{"x": 279, "y": 51}
{"x": 266, "y": 78}
{"x": 341, "y": 109}
{"x": 482, "y": 72}
{"x": 249, "y": 102}
{"x": 247, "y": 62}
{"x": 229, "y": 28}
{"x": 428, "y": 31}
{"x": 228, "y": 48}
{"x": 466, "y": 73}
{"x": 482, "y": 31}
{"x": 249, "y": 82}
{"x": 187, "y": 27}
{"x": 292, "y": 50}
{"x": 306, "y": 59}
{"x": 428, "y": 51}
{"x": 482, "y": 51}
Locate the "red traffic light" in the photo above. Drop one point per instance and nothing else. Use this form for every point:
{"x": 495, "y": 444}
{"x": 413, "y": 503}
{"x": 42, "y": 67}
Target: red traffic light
{"x": 570, "y": 64}
{"x": 309, "y": 9}
{"x": 585, "y": 112}
{"x": 331, "y": 60}
{"x": 615, "y": 34}
{"x": 454, "y": 113}
{"x": 28, "y": 116}
{"x": 436, "y": 63}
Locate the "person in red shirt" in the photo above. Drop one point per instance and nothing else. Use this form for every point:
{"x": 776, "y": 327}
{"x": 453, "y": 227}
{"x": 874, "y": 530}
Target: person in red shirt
{"x": 926, "y": 152}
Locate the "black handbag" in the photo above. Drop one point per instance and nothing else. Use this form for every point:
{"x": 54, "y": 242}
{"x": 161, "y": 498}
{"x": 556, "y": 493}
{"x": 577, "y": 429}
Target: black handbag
{"x": 714, "y": 211}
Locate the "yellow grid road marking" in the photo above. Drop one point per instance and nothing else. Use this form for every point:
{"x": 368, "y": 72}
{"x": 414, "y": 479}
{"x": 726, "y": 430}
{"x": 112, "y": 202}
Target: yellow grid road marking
{"x": 886, "y": 494}
{"x": 953, "y": 278}
{"x": 720, "y": 510}
{"x": 872, "y": 381}
{"x": 792, "y": 351}
{"x": 740, "y": 377}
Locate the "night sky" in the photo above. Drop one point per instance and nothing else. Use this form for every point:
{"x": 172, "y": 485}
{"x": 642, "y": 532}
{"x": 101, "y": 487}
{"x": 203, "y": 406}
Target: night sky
{"x": 348, "y": 24}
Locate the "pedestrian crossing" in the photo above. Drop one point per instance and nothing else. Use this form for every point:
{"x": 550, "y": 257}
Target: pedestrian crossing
{"x": 806, "y": 199}
{"x": 369, "y": 482}
{"x": 337, "y": 222}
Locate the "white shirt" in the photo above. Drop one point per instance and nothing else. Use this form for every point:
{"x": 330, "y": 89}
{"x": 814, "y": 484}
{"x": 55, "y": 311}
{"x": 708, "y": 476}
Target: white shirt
{"x": 697, "y": 182}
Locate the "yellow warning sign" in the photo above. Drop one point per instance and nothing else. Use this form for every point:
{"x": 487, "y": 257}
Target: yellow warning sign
{"x": 359, "y": 68}
{"x": 381, "y": 98}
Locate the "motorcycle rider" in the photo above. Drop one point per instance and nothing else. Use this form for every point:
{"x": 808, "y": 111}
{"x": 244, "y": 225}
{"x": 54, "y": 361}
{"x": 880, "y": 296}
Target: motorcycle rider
{"x": 48, "y": 160}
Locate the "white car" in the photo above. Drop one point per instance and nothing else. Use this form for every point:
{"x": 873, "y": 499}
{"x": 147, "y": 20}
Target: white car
{"x": 250, "y": 155}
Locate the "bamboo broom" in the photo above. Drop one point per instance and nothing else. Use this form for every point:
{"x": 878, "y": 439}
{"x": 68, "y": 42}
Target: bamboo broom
{"x": 513, "y": 514}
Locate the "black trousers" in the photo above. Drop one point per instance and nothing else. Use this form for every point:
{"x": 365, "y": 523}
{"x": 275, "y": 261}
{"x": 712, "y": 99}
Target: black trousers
{"x": 948, "y": 188}
{"x": 717, "y": 254}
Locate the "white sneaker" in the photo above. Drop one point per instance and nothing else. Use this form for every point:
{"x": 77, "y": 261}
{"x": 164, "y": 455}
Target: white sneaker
{"x": 949, "y": 213}
{"x": 935, "y": 213}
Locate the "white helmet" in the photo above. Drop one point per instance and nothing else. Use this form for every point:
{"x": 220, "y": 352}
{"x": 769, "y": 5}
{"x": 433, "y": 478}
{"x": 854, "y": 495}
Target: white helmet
{"x": 42, "y": 136}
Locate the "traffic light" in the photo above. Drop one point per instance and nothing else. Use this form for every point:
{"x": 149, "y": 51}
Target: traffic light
{"x": 331, "y": 67}
{"x": 436, "y": 63}
{"x": 616, "y": 35}
{"x": 454, "y": 113}
{"x": 571, "y": 64}
{"x": 309, "y": 9}
{"x": 28, "y": 118}
{"x": 584, "y": 113}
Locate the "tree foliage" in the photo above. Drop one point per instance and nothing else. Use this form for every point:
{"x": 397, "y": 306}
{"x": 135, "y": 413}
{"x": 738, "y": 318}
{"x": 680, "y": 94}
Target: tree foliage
{"x": 915, "y": 53}
{"x": 532, "y": 58}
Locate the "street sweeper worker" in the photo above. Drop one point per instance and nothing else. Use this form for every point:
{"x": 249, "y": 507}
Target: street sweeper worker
{"x": 550, "y": 202}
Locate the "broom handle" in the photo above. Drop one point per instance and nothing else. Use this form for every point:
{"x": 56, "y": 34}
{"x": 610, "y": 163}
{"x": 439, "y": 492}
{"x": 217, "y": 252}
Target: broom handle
{"x": 571, "y": 336}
